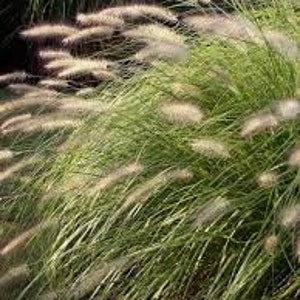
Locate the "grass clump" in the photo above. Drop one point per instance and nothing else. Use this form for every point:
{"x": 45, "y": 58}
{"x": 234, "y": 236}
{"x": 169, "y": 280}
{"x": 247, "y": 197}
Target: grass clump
{"x": 168, "y": 196}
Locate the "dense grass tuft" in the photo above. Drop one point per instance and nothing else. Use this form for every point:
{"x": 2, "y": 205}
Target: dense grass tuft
{"x": 187, "y": 188}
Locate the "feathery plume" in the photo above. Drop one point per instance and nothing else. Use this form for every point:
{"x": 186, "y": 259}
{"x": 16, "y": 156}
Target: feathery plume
{"x": 92, "y": 33}
{"x": 56, "y": 84}
{"x": 17, "y": 167}
{"x": 70, "y": 186}
{"x": 210, "y": 147}
{"x": 60, "y": 63}
{"x": 294, "y": 159}
{"x": 29, "y": 100}
{"x": 76, "y": 182}
{"x": 14, "y": 120}
{"x": 182, "y": 175}
{"x": 271, "y": 243}
{"x": 258, "y": 124}
{"x": 99, "y": 19}
{"x": 72, "y": 72}
{"x": 104, "y": 75}
{"x": 232, "y": 27}
{"x": 21, "y": 240}
{"x": 54, "y": 54}
{"x": 184, "y": 90}
{"x": 43, "y": 123}
{"x": 290, "y": 216}
{"x": 94, "y": 278}
{"x": 49, "y": 31}
{"x": 268, "y": 179}
{"x": 115, "y": 177}
{"x": 75, "y": 142}
{"x": 5, "y": 155}
{"x": 152, "y": 185}
{"x": 142, "y": 193}
{"x": 154, "y": 32}
{"x": 82, "y": 70}
{"x": 156, "y": 51}
{"x": 11, "y": 78}
{"x": 74, "y": 105}
{"x": 182, "y": 113}
{"x": 85, "y": 92}
{"x": 42, "y": 92}
{"x": 281, "y": 43}
{"x": 139, "y": 10}
{"x": 287, "y": 109}
{"x": 87, "y": 64}
{"x": 14, "y": 276}
{"x": 212, "y": 211}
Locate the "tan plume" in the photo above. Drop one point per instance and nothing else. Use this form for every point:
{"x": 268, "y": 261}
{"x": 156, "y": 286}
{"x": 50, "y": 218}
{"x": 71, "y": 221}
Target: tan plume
{"x": 48, "y": 31}
{"x": 89, "y": 34}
